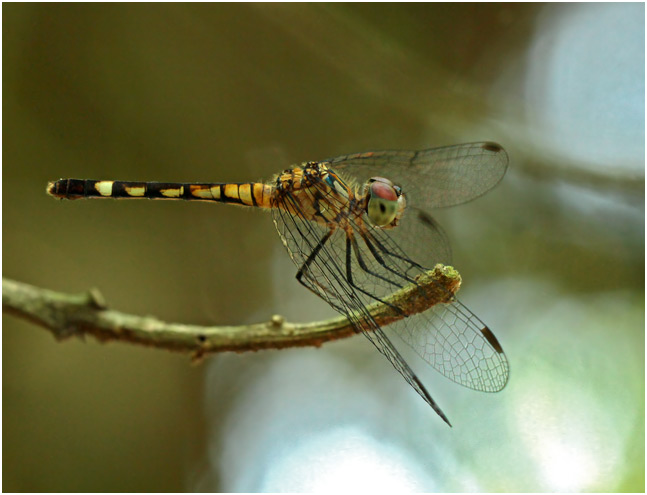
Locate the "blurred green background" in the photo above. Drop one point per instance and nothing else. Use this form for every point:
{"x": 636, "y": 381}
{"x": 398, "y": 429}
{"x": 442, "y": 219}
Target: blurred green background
{"x": 552, "y": 260}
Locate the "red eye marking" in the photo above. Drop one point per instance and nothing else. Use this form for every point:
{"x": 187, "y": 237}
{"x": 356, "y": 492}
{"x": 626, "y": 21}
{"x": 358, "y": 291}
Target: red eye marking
{"x": 383, "y": 191}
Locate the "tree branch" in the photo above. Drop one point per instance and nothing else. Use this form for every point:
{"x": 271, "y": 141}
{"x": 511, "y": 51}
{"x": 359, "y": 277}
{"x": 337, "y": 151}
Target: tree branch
{"x": 67, "y": 315}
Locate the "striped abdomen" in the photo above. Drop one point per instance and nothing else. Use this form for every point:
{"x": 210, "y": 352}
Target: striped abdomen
{"x": 246, "y": 194}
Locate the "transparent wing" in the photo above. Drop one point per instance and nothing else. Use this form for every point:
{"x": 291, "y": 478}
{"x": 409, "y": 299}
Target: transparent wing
{"x": 449, "y": 337}
{"x": 433, "y": 178}
{"x": 457, "y": 344}
{"x": 424, "y": 238}
{"x": 322, "y": 258}
{"x": 355, "y": 267}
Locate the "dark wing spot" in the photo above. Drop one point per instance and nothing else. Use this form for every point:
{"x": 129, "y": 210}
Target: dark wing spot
{"x": 493, "y": 147}
{"x": 489, "y": 336}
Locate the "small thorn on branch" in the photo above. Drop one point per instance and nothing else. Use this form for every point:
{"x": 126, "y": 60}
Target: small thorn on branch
{"x": 277, "y": 321}
{"x": 96, "y": 299}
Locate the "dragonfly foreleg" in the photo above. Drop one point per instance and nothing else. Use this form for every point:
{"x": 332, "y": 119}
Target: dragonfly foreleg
{"x": 349, "y": 273}
{"x": 366, "y": 236}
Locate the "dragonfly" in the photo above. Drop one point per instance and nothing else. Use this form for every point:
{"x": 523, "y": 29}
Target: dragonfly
{"x": 358, "y": 228}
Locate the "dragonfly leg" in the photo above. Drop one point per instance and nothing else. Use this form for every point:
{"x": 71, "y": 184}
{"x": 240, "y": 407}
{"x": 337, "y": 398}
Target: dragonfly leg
{"x": 367, "y": 237}
{"x": 312, "y": 256}
{"x": 310, "y": 282}
{"x": 351, "y": 244}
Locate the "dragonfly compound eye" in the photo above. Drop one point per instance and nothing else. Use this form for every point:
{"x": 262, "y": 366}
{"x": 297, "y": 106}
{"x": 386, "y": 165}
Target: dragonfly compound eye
{"x": 382, "y": 202}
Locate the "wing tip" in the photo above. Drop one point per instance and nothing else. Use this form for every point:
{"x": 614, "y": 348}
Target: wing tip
{"x": 446, "y": 421}
{"x": 429, "y": 400}
{"x": 492, "y": 146}
{"x": 496, "y": 149}
{"x": 492, "y": 340}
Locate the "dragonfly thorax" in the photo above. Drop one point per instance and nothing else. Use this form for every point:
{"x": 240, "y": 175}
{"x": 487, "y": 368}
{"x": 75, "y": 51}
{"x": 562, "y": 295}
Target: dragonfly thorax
{"x": 385, "y": 202}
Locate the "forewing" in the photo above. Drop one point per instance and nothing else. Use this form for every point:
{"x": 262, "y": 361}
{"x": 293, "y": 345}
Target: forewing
{"x": 432, "y": 178}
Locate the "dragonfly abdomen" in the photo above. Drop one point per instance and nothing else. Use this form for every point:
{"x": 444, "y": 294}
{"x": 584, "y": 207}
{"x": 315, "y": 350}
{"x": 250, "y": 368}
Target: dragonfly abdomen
{"x": 244, "y": 194}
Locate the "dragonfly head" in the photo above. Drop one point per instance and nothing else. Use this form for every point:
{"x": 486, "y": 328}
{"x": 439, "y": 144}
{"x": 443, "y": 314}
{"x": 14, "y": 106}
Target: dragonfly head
{"x": 384, "y": 202}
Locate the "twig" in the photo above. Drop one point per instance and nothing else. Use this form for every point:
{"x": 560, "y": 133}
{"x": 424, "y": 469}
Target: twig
{"x": 67, "y": 315}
